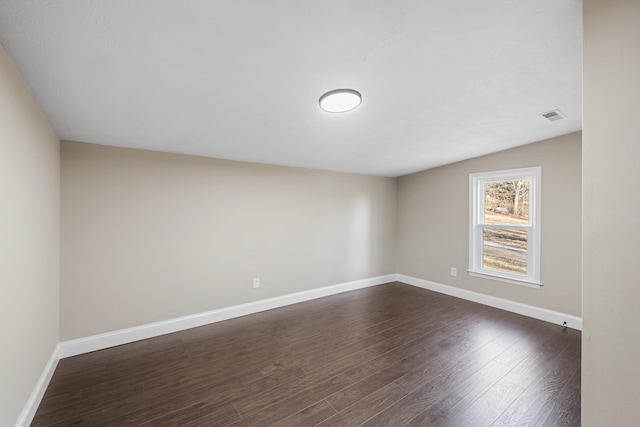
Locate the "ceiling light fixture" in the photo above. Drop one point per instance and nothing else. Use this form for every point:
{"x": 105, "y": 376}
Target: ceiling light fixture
{"x": 340, "y": 100}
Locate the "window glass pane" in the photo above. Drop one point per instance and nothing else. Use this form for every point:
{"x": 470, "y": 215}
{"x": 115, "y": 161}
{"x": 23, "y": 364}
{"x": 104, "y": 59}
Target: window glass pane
{"x": 506, "y": 202}
{"x": 505, "y": 250}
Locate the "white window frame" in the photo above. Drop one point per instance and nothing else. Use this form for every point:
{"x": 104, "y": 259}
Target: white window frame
{"x": 477, "y": 225}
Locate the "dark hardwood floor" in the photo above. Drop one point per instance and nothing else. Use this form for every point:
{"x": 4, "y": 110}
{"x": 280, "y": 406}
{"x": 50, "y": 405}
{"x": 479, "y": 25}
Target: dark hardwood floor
{"x": 390, "y": 355}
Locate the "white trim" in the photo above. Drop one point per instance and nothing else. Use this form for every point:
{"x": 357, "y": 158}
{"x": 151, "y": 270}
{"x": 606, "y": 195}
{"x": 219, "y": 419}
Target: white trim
{"x": 477, "y": 224}
{"x": 125, "y": 336}
{"x": 33, "y": 402}
{"x": 551, "y": 316}
{"x": 505, "y": 279}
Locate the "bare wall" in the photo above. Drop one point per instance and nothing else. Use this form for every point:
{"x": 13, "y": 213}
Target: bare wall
{"x": 433, "y": 224}
{"x": 149, "y": 236}
{"x": 611, "y": 204}
{"x": 29, "y": 242}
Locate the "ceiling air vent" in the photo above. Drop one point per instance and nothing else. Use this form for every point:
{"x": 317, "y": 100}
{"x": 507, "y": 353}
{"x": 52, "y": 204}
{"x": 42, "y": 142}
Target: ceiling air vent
{"x": 554, "y": 115}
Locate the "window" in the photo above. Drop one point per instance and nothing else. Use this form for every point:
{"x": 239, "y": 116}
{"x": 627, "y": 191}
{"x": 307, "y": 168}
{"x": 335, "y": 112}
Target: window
{"x": 504, "y": 230}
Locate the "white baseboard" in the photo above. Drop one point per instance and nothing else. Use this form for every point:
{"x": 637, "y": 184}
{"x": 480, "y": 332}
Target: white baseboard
{"x": 31, "y": 406}
{"x": 124, "y": 336}
{"x": 551, "y": 316}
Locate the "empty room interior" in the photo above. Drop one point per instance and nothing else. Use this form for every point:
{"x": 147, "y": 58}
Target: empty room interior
{"x": 401, "y": 213}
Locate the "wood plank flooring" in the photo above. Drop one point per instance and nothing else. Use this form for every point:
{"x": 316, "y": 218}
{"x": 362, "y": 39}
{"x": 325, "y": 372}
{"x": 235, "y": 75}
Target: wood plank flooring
{"x": 389, "y": 355}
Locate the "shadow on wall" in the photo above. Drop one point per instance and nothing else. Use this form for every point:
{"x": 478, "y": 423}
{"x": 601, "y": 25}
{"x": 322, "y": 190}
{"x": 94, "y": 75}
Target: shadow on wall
{"x": 359, "y": 237}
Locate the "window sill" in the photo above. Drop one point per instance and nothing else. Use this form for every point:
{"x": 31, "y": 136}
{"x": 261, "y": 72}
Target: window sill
{"x": 526, "y": 283}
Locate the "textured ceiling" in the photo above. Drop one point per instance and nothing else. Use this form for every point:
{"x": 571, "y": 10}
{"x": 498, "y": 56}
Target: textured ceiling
{"x": 442, "y": 80}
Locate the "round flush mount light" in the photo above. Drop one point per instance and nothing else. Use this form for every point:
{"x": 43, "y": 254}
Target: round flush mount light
{"x": 340, "y": 100}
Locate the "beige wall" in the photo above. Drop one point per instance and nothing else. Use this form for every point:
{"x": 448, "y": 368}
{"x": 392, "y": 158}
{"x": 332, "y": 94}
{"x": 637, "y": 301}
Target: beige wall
{"x": 150, "y": 236}
{"x": 611, "y": 204}
{"x": 29, "y": 242}
{"x": 433, "y": 224}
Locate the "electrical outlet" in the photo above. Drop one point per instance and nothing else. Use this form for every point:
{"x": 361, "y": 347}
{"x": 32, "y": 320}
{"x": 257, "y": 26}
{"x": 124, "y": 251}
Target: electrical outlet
{"x": 256, "y": 282}
{"x": 454, "y": 271}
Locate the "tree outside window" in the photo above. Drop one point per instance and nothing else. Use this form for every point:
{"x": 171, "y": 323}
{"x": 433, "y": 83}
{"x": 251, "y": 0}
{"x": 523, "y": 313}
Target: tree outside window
{"x": 505, "y": 225}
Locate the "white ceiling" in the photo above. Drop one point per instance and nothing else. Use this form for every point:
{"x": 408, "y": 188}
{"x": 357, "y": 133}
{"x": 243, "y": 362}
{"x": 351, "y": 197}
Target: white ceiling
{"x": 442, "y": 80}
